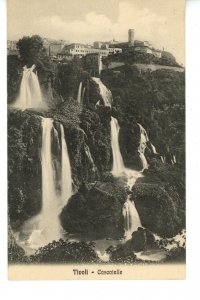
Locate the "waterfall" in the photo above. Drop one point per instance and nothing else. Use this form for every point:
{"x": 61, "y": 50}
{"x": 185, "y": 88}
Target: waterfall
{"x": 66, "y": 177}
{"x": 118, "y": 164}
{"x": 104, "y": 92}
{"x": 174, "y": 159}
{"x": 89, "y": 155}
{"x": 82, "y": 97}
{"x": 48, "y": 228}
{"x": 79, "y": 98}
{"x": 30, "y": 95}
{"x": 45, "y": 227}
{"x": 153, "y": 149}
{"x": 163, "y": 159}
{"x": 142, "y": 146}
{"x": 131, "y": 217}
{"x": 100, "y": 64}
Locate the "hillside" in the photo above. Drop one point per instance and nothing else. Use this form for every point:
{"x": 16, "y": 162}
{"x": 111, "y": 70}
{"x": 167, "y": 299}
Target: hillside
{"x": 155, "y": 100}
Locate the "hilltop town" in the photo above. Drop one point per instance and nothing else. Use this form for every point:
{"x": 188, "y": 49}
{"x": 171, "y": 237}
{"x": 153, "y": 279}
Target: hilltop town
{"x": 62, "y": 50}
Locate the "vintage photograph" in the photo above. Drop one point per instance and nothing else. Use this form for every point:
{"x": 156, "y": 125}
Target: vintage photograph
{"x": 96, "y": 137}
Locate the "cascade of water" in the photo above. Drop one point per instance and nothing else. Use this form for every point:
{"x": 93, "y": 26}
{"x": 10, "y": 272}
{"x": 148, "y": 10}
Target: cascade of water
{"x": 66, "y": 177}
{"x": 153, "y": 149}
{"x": 30, "y": 95}
{"x": 100, "y": 64}
{"x": 89, "y": 155}
{"x": 131, "y": 217}
{"x": 104, "y": 92}
{"x": 118, "y": 164}
{"x": 48, "y": 226}
{"x": 142, "y": 146}
{"x": 45, "y": 227}
{"x": 79, "y": 98}
{"x": 83, "y": 94}
{"x": 163, "y": 159}
{"x": 174, "y": 159}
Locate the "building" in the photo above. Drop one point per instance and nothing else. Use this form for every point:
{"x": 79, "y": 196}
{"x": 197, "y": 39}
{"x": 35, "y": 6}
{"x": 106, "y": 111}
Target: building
{"x": 131, "y": 33}
{"x": 146, "y": 47}
{"x": 53, "y": 47}
{"x": 106, "y": 45}
{"x": 80, "y": 50}
{"x": 137, "y": 46}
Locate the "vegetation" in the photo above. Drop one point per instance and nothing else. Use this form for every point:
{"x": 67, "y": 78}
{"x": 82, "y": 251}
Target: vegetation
{"x": 31, "y": 50}
{"x": 96, "y": 211}
{"x": 131, "y": 57}
{"x": 65, "y": 252}
{"x": 24, "y": 168}
{"x": 160, "y": 199}
{"x": 155, "y": 99}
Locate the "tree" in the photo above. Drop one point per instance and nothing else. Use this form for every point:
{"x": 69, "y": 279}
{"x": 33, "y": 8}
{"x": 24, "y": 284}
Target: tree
{"x": 31, "y": 49}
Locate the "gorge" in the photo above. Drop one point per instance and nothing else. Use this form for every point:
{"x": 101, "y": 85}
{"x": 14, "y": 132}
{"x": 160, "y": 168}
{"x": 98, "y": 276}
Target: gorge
{"x": 86, "y": 170}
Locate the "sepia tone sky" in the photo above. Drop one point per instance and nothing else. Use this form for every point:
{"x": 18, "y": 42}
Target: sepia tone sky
{"x": 159, "y": 21}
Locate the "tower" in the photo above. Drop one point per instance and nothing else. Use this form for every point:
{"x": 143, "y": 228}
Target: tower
{"x": 131, "y": 37}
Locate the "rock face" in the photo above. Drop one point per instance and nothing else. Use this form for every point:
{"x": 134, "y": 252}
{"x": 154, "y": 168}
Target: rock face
{"x": 96, "y": 211}
{"x": 24, "y": 167}
{"x": 142, "y": 239}
{"x": 96, "y": 125}
{"x": 15, "y": 252}
{"x": 160, "y": 203}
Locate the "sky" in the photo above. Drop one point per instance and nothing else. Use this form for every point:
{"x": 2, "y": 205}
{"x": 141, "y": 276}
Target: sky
{"x": 160, "y": 22}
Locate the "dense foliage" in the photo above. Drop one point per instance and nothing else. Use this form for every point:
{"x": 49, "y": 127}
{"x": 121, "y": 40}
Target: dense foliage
{"x": 24, "y": 168}
{"x": 156, "y": 100}
{"x": 31, "y": 49}
{"x": 66, "y": 252}
{"x": 131, "y": 57}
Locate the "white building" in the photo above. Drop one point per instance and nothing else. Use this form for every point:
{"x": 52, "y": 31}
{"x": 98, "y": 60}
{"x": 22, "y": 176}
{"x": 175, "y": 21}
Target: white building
{"x": 77, "y": 49}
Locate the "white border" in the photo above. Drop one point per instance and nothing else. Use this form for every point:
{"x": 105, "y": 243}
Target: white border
{"x": 107, "y": 289}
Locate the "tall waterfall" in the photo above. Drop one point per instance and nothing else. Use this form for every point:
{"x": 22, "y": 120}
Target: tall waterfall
{"x": 142, "y": 146}
{"x": 131, "y": 217}
{"x": 45, "y": 227}
{"x": 79, "y": 95}
{"x": 48, "y": 227}
{"x": 118, "y": 164}
{"x": 66, "y": 177}
{"x": 30, "y": 95}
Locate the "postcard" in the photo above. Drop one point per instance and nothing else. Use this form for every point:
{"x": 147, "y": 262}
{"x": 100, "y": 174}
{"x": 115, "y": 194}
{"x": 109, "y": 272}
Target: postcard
{"x": 96, "y": 139}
